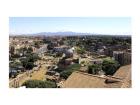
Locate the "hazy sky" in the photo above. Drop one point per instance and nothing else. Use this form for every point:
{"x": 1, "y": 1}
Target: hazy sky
{"x": 100, "y": 25}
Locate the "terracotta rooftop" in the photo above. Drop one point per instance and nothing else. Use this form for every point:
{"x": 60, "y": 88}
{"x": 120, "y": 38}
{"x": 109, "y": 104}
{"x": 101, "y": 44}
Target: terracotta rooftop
{"x": 122, "y": 78}
{"x": 125, "y": 74}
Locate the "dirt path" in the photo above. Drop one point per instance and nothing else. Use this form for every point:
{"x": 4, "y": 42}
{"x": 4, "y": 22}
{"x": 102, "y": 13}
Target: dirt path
{"x": 29, "y": 75}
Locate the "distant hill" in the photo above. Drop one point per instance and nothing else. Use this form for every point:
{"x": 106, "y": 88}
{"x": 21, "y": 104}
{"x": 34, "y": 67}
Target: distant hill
{"x": 61, "y": 33}
{"x": 65, "y": 33}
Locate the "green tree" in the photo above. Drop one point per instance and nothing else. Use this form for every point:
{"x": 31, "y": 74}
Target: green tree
{"x": 15, "y": 64}
{"x": 94, "y": 69}
{"x": 90, "y": 71}
{"x": 28, "y": 63}
{"x": 12, "y": 49}
{"x": 15, "y": 56}
{"x": 36, "y": 44}
{"x": 39, "y": 84}
{"x": 68, "y": 71}
{"x": 80, "y": 50}
{"x": 110, "y": 66}
{"x": 29, "y": 50}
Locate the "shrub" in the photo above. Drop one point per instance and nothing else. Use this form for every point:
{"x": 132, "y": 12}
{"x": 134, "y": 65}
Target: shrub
{"x": 39, "y": 84}
{"x": 68, "y": 71}
{"x": 94, "y": 69}
{"x": 110, "y": 66}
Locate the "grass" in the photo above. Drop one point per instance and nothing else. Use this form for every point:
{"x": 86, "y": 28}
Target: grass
{"x": 69, "y": 70}
{"x": 39, "y": 75}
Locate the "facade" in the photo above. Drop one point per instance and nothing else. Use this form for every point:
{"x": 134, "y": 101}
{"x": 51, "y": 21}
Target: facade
{"x": 61, "y": 48}
{"x": 96, "y": 61}
{"x": 119, "y": 56}
{"x": 127, "y": 57}
{"x": 122, "y": 57}
{"x": 42, "y": 50}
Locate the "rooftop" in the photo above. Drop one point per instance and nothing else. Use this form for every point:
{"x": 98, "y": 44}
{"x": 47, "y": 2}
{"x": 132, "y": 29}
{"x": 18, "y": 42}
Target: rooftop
{"x": 84, "y": 80}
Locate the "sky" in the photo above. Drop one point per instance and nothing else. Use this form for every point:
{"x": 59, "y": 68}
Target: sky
{"x": 97, "y": 25}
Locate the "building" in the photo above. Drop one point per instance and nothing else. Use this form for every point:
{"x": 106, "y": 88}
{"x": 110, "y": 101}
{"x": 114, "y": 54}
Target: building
{"x": 122, "y": 57}
{"x": 124, "y": 73}
{"x": 101, "y": 52}
{"x": 68, "y": 61}
{"x": 119, "y": 56}
{"x": 42, "y": 50}
{"x": 96, "y": 61}
{"x": 85, "y": 80}
{"x": 127, "y": 57}
{"x": 69, "y": 53}
{"x": 83, "y": 61}
{"x": 61, "y": 48}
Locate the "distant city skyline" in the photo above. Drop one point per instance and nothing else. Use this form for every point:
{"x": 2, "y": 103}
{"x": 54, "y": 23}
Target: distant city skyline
{"x": 97, "y": 25}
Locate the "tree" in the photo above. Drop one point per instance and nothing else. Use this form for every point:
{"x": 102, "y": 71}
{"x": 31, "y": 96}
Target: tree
{"x": 15, "y": 56}
{"x": 23, "y": 50}
{"x": 61, "y": 42}
{"x": 90, "y": 71}
{"x": 12, "y": 49}
{"x": 15, "y": 64}
{"x": 94, "y": 69}
{"x": 110, "y": 66}
{"x": 45, "y": 41}
{"x": 69, "y": 70}
{"x": 26, "y": 64}
{"x": 50, "y": 46}
{"x": 65, "y": 74}
{"x": 36, "y": 44}
{"x": 80, "y": 50}
{"x": 59, "y": 54}
{"x": 29, "y": 50}
{"x": 35, "y": 57}
{"x": 39, "y": 84}
{"x": 29, "y": 65}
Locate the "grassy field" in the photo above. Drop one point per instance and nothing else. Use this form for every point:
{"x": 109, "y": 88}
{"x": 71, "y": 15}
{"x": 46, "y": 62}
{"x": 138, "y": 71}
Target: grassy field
{"x": 39, "y": 75}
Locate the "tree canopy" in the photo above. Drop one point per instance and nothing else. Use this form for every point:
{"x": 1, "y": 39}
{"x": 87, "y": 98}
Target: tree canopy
{"x": 109, "y": 66}
{"x": 28, "y": 62}
{"x": 68, "y": 71}
{"x": 94, "y": 69}
{"x": 39, "y": 84}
